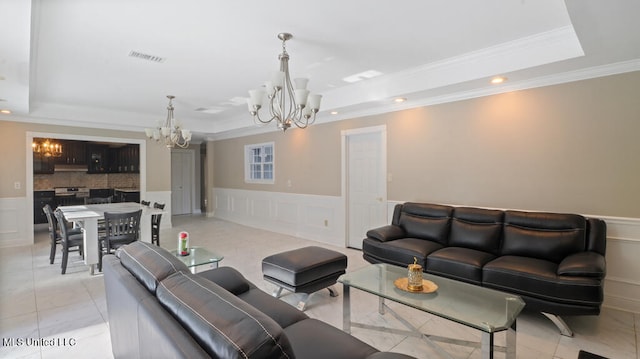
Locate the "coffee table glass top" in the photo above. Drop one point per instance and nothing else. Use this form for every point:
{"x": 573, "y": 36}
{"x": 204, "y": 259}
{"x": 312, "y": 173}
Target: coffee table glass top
{"x": 474, "y": 306}
{"x": 198, "y": 256}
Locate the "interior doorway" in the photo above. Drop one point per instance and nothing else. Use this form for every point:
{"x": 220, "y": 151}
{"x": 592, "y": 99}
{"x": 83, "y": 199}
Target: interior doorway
{"x": 365, "y": 185}
{"x": 182, "y": 181}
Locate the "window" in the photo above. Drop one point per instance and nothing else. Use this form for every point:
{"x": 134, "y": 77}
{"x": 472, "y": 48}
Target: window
{"x": 259, "y": 163}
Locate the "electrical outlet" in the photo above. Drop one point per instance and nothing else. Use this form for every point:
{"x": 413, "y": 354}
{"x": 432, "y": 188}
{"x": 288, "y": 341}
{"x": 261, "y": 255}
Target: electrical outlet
{"x": 326, "y": 223}
{"x": 17, "y": 185}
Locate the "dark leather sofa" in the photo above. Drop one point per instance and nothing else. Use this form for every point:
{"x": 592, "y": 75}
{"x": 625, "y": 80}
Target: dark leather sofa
{"x": 554, "y": 261}
{"x": 158, "y": 309}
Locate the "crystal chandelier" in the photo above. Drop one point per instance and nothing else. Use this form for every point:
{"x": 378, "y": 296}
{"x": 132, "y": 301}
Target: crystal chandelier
{"x": 287, "y": 103}
{"x": 171, "y": 132}
{"x": 46, "y": 148}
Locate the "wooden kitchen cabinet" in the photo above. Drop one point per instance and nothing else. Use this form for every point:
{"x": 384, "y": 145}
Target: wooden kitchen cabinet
{"x": 98, "y": 158}
{"x": 73, "y": 153}
{"x": 125, "y": 159}
{"x": 40, "y": 199}
{"x": 42, "y": 164}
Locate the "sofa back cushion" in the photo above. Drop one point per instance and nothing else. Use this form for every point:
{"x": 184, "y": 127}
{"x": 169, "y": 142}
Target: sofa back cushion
{"x": 549, "y": 236}
{"x": 149, "y": 263}
{"x": 426, "y": 221}
{"x": 224, "y": 325}
{"x": 476, "y": 228}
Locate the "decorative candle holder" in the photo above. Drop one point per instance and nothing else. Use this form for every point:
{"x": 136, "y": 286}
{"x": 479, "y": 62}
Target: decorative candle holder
{"x": 415, "y": 276}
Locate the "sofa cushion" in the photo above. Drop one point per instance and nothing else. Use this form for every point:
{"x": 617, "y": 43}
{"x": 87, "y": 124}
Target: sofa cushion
{"x": 477, "y": 228}
{"x": 228, "y": 278}
{"x": 537, "y": 278}
{"x": 149, "y": 263}
{"x": 282, "y": 312}
{"x": 334, "y": 344}
{"x": 426, "y": 221}
{"x": 224, "y": 325}
{"x": 463, "y": 264}
{"x": 401, "y": 251}
{"x": 548, "y": 236}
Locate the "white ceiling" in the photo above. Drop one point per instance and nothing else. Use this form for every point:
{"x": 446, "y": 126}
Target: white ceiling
{"x": 67, "y": 61}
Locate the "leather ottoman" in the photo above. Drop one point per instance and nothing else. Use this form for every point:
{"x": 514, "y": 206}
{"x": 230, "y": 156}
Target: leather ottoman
{"x": 304, "y": 270}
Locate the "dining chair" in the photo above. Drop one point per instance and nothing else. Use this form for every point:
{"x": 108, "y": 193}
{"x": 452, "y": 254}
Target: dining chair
{"x": 155, "y": 224}
{"x": 70, "y": 242}
{"x": 120, "y": 229}
{"x": 54, "y": 232}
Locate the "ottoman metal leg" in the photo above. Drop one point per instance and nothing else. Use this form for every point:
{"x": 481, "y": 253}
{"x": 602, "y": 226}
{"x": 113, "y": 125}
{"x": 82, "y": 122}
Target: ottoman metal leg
{"x": 277, "y": 292}
{"x": 303, "y": 302}
{"x": 332, "y": 291}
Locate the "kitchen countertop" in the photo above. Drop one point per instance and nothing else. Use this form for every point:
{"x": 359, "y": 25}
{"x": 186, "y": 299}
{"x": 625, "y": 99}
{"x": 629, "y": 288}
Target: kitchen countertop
{"x": 127, "y": 189}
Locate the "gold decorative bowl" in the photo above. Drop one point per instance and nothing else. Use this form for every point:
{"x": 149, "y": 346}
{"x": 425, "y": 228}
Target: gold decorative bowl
{"x": 427, "y": 286}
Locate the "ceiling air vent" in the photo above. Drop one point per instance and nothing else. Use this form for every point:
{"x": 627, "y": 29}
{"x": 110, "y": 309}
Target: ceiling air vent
{"x": 147, "y": 57}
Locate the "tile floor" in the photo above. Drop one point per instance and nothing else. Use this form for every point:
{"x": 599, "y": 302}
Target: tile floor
{"x": 66, "y": 316}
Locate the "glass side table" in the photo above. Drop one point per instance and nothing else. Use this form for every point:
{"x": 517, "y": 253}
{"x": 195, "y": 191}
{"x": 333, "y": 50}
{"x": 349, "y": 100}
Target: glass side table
{"x": 199, "y": 256}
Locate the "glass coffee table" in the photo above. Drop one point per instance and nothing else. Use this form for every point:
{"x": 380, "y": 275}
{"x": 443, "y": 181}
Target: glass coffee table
{"x": 199, "y": 256}
{"x": 484, "y": 309}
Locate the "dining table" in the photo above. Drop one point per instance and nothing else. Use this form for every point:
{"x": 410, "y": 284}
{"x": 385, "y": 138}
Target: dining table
{"x": 87, "y": 217}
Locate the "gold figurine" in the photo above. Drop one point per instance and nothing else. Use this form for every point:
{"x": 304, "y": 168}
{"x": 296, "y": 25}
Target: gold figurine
{"x": 415, "y": 276}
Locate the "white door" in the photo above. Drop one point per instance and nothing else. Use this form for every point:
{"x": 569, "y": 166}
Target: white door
{"x": 366, "y": 186}
{"x": 181, "y": 181}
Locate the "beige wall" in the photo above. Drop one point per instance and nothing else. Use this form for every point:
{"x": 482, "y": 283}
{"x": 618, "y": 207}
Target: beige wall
{"x": 570, "y": 148}
{"x": 13, "y": 163}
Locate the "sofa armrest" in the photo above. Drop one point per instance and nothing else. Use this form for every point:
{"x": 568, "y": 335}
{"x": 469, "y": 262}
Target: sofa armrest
{"x": 583, "y": 264}
{"x": 386, "y": 233}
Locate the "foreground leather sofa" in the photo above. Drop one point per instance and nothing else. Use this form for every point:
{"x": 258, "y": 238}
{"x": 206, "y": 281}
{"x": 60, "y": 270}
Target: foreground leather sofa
{"x": 554, "y": 261}
{"x": 158, "y": 309}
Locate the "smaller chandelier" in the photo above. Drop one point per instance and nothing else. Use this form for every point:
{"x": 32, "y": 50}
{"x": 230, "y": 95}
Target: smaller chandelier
{"x": 46, "y": 148}
{"x": 287, "y": 103}
{"x": 171, "y": 132}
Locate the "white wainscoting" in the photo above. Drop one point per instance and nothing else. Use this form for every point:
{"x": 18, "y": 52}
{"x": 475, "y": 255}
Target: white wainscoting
{"x": 318, "y": 218}
{"x": 622, "y": 283}
{"x": 304, "y": 216}
{"x": 15, "y": 215}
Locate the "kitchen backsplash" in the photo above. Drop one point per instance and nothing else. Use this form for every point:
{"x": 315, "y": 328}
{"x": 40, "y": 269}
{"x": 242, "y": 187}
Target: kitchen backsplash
{"x": 81, "y": 179}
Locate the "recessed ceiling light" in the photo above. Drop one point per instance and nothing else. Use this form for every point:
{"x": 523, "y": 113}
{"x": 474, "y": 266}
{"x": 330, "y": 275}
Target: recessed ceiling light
{"x": 362, "y": 76}
{"x": 334, "y": 112}
{"x": 498, "y": 80}
{"x": 399, "y": 99}
{"x": 6, "y": 112}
